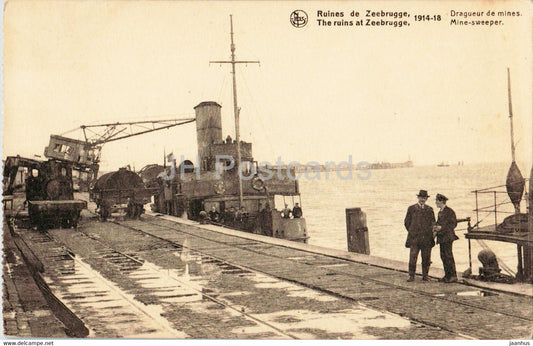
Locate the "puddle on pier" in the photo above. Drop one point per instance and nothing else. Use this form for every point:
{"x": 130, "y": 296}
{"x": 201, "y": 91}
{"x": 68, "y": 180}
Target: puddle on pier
{"x": 476, "y": 293}
{"x": 169, "y": 285}
{"x": 105, "y": 309}
{"x": 343, "y": 324}
{"x": 221, "y": 292}
{"x": 335, "y": 265}
{"x": 186, "y": 291}
{"x": 208, "y": 298}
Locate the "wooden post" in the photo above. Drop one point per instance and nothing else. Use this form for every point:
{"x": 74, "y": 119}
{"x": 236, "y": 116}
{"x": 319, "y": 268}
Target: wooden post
{"x": 357, "y": 231}
{"x": 527, "y": 262}
{"x": 519, "y": 271}
{"x": 528, "y": 250}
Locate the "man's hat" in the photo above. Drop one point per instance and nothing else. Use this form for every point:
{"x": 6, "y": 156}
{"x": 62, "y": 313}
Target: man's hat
{"x": 423, "y": 193}
{"x": 441, "y": 198}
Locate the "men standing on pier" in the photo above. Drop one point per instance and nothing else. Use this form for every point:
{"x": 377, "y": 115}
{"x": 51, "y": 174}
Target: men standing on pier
{"x": 419, "y": 223}
{"x": 446, "y": 223}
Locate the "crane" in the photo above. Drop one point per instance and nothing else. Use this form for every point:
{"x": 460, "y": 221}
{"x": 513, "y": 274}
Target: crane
{"x": 84, "y": 155}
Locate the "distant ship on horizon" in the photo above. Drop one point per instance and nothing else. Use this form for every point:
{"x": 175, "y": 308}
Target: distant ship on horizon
{"x": 389, "y": 165}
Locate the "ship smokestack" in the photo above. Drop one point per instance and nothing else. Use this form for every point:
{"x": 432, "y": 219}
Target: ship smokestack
{"x": 208, "y": 131}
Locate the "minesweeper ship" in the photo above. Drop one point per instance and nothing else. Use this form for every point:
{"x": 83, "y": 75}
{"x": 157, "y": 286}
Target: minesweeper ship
{"x": 227, "y": 181}
{"x": 241, "y": 200}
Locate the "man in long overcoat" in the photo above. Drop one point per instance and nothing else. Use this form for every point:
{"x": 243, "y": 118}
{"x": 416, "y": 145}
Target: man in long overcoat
{"x": 446, "y": 223}
{"x": 419, "y": 223}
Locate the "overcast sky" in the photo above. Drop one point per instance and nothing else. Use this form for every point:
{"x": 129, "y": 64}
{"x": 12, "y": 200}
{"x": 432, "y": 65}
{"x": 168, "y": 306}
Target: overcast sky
{"x": 430, "y": 91}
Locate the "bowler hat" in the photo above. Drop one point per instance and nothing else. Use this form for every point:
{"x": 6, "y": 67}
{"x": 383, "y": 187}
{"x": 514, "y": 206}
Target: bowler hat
{"x": 423, "y": 193}
{"x": 441, "y": 198}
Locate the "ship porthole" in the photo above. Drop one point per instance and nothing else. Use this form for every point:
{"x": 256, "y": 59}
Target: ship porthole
{"x": 258, "y": 184}
{"x": 219, "y": 187}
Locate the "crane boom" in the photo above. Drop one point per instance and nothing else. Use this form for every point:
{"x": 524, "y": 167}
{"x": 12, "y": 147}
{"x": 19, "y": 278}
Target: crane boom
{"x": 128, "y": 129}
{"x": 84, "y": 155}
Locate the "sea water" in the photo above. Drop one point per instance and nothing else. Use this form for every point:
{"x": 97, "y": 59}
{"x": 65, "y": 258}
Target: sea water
{"x": 385, "y": 197}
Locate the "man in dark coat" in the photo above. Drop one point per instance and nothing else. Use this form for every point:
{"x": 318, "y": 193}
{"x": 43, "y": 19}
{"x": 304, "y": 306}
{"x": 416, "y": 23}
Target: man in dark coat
{"x": 214, "y": 215}
{"x": 297, "y": 211}
{"x": 446, "y": 223}
{"x": 419, "y": 223}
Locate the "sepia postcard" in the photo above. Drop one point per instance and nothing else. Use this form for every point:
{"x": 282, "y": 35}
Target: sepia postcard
{"x": 267, "y": 170}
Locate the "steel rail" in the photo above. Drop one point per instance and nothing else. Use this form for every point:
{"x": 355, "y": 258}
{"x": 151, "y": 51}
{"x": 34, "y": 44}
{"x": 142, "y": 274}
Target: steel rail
{"x": 336, "y": 271}
{"x": 210, "y": 297}
{"x": 366, "y": 304}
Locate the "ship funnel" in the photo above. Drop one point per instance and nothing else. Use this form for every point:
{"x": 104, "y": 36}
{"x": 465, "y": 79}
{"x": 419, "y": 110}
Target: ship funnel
{"x": 208, "y": 131}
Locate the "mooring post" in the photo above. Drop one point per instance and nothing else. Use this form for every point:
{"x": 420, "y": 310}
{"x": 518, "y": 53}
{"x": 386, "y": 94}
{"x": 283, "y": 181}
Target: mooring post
{"x": 357, "y": 231}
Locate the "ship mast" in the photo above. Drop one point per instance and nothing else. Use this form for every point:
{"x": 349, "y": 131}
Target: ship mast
{"x": 236, "y": 109}
{"x": 511, "y": 114}
{"x": 515, "y": 182}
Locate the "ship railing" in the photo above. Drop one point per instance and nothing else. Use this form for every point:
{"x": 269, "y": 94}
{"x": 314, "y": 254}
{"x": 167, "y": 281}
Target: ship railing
{"x": 490, "y": 202}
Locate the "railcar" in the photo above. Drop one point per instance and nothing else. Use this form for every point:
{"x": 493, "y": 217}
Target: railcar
{"x": 121, "y": 190}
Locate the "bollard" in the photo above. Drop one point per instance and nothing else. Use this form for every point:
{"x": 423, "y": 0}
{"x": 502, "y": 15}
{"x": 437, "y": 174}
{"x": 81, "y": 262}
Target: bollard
{"x": 357, "y": 231}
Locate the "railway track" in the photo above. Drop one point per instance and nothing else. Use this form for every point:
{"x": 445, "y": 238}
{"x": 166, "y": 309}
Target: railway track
{"x": 173, "y": 282}
{"x": 83, "y": 289}
{"x": 473, "y": 308}
{"x": 383, "y": 282}
{"x": 129, "y": 266}
{"x": 256, "y": 321}
{"x": 460, "y": 335}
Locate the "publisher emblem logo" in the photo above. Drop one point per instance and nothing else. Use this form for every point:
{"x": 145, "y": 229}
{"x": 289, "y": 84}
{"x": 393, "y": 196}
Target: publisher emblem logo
{"x": 299, "y": 18}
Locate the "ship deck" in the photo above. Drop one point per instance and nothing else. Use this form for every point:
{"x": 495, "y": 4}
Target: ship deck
{"x": 490, "y": 233}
